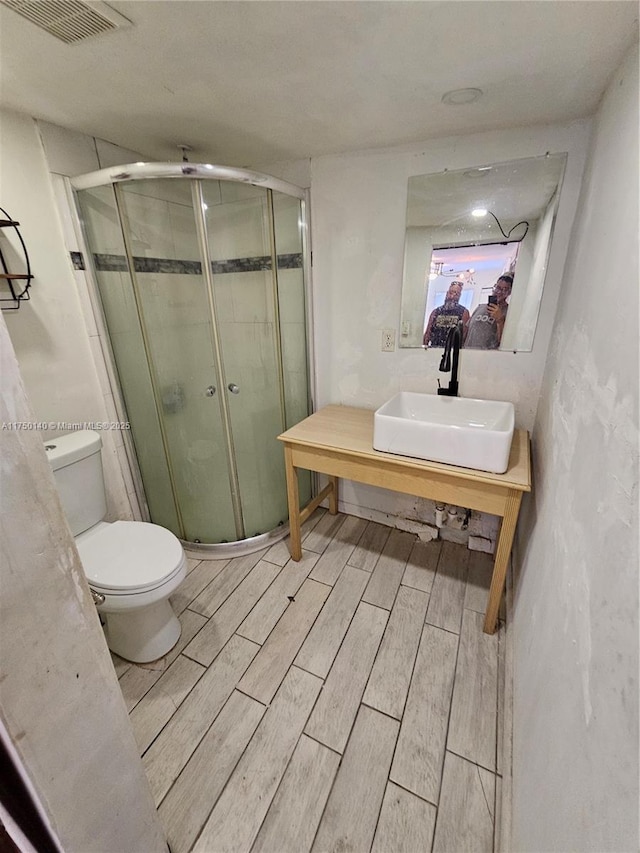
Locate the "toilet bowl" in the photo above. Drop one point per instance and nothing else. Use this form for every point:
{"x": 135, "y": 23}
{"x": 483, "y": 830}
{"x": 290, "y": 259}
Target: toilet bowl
{"x": 133, "y": 566}
{"x": 136, "y": 567}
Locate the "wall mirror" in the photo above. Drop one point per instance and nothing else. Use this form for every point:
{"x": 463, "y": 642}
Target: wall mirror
{"x": 465, "y": 230}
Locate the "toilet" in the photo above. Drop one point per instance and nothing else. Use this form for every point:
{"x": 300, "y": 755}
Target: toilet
{"x": 136, "y": 566}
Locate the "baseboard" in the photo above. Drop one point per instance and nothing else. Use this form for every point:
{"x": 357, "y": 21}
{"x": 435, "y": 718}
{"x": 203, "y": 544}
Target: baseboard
{"x": 423, "y": 529}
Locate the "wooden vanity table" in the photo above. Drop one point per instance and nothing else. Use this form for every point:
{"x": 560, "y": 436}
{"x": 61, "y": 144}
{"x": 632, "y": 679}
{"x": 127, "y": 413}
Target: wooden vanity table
{"x": 338, "y": 441}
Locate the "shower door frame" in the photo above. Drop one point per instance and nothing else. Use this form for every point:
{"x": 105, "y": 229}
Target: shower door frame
{"x": 194, "y": 172}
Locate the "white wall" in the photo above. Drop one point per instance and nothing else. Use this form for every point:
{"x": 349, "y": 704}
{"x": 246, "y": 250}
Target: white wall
{"x": 358, "y": 234}
{"x": 47, "y": 332}
{"x": 575, "y": 740}
{"x": 54, "y": 334}
{"x": 358, "y": 228}
{"x": 60, "y": 700}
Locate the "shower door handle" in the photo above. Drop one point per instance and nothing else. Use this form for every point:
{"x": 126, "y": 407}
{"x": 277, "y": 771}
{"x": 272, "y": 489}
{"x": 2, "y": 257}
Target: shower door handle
{"x": 234, "y": 388}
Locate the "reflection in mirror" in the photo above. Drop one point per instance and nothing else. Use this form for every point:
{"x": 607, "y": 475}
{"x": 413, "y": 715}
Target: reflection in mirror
{"x": 476, "y": 248}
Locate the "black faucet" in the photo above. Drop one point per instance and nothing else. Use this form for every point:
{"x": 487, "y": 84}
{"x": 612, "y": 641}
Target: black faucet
{"x": 454, "y": 341}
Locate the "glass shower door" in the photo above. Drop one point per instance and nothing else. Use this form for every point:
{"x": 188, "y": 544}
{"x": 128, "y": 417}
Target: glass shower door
{"x": 113, "y": 277}
{"x": 240, "y": 244}
{"x": 287, "y": 220}
{"x": 159, "y": 226}
{"x": 202, "y": 287}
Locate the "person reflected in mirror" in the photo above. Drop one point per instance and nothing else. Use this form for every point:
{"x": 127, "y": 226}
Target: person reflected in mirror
{"x": 487, "y": 321}
{"x": 443, "y": 318}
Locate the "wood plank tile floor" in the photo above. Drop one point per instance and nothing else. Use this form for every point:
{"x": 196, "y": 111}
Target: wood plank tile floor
{"x": 348, "y": 702}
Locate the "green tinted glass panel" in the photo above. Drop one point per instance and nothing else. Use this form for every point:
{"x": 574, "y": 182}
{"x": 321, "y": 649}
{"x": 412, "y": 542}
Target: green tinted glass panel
{"x": 102, "y": 225}
{"x": 173, "y": 296}
{"x": 291, "y": 300}
{"x": 239, "y": 238}
{"x": 160, "y": 326}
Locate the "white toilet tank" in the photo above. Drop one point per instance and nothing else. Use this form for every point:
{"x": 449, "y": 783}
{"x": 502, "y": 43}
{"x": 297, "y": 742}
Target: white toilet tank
{"x": 77, "y": 468}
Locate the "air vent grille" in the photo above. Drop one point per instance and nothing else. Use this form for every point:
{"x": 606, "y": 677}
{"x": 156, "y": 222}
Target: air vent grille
{"x": 68, "y": 20}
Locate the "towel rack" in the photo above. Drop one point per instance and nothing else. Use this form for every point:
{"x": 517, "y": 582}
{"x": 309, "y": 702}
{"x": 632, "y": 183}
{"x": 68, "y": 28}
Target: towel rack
{"x": 20, "y": 291}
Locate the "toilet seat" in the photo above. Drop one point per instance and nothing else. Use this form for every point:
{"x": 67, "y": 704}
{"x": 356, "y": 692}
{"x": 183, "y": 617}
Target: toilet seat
{"x": 129, "y": 557}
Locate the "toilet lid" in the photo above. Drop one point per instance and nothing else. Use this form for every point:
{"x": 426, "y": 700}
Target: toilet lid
{"x": 130, "y": 556}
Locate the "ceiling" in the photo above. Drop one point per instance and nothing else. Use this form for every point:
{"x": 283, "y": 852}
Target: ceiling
{"x": 259, "y": 81}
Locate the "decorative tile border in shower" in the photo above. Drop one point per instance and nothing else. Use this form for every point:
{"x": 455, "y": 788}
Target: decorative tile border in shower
{"x": 77, "y": 260}
{"x": 111, "y": 263}
{"x": 118, "y": 263}
{"x": 163, "y": 265}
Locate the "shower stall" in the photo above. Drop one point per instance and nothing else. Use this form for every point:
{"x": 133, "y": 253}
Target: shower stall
{"x": 201, "y": 276}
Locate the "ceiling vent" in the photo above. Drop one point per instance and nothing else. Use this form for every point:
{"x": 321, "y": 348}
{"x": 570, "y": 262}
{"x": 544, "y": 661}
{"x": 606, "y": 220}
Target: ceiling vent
{"x": 69, "y": 20}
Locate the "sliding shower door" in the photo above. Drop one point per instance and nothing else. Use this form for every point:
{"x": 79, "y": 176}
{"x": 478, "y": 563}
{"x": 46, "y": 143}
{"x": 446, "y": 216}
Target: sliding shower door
{"x": 158, "y": 220}
{"x": 112, "y": 272}
{"x": 241, "y": 242}
{"x": 213, "y": 363}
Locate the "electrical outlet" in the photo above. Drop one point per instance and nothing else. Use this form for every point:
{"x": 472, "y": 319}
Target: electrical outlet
{"x": 388, "y": 340}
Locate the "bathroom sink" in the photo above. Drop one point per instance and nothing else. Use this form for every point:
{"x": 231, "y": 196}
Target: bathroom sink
{"x": 455, "y": 430}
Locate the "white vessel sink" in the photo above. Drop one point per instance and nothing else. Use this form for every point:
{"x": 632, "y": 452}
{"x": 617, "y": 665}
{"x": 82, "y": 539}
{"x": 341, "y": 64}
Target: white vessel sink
{"x": 455, "y": 430}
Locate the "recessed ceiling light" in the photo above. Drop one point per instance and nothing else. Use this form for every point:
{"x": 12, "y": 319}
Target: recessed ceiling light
{"x": 458, "y": 97}
{"x": 479, "y": 211}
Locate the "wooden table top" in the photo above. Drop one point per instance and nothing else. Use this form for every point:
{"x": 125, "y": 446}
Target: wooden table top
{"x": 350, "y": 430}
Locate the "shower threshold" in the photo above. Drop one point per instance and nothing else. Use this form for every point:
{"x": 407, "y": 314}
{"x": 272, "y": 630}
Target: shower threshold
{"x": 222, "y": 550}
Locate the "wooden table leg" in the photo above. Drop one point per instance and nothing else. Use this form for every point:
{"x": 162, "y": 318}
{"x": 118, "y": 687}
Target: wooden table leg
{"x": 333, "y": 497}
{"x": 505, "y": 541}
{"x": 293, "y": 500}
